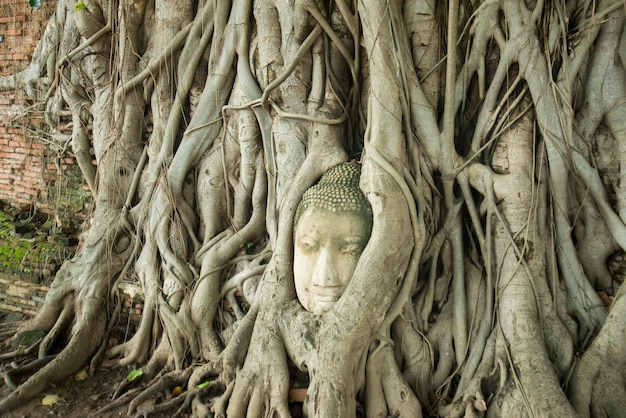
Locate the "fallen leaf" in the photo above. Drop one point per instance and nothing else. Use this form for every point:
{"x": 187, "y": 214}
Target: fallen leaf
{"x": 50, "y": 400}
{"x": 81, "y": 375}
{"x": 176, "y": 391}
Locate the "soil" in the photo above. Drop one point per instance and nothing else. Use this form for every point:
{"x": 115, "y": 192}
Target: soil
{"x": 80, "y": 398}
{"x": 85, "y": 397}
{"x": 77, "y": 397}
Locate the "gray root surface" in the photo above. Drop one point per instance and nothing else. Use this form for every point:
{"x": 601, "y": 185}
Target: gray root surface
{"x": 491, "y": 157}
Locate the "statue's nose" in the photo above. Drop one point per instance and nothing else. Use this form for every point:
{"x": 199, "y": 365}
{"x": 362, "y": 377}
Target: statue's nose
{"x": 324, "y": 271}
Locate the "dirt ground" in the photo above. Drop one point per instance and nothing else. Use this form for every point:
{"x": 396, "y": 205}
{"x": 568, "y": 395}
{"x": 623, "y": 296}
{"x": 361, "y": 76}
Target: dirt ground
{"x": 85, "y": 396}
{"x": 77, "y": 397}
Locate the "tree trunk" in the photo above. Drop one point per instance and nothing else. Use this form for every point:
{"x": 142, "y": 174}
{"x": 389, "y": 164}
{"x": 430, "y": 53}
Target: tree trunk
{"x": 489, "y": 135}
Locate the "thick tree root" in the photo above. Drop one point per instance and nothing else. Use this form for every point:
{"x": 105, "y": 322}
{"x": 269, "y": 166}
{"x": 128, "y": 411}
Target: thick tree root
{"x": 597, "y": 384}
{"x": 84, "y": 341}
{"x": 388, "y": 394}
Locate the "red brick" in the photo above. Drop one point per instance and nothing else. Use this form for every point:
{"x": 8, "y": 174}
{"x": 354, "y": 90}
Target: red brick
{"x": 25, "y": 167}
{"x": 14, "y": 32}
{"x": 15, "y": 156}
{"x": 11, "y": 19}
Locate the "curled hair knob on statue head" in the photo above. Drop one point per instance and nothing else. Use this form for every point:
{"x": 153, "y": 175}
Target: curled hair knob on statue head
{"x": 337, "y": 191}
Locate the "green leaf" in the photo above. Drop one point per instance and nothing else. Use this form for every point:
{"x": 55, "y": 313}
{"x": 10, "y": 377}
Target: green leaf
{"x": 79, "y": 5}
{"x": 34, "y": 4}
{"x": 134, "y": 374}
{"x": 204, "y": 384}
{"x": 250, "y": 244}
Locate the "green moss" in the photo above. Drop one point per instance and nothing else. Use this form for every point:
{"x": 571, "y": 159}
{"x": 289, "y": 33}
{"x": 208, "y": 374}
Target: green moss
{"x": 34, "y": 255}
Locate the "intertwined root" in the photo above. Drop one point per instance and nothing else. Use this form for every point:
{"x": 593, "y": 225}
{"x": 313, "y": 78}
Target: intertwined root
{"x": 85, "y": 336}
{"x": 596, "y": 388}
{"x": 282, "y": 91}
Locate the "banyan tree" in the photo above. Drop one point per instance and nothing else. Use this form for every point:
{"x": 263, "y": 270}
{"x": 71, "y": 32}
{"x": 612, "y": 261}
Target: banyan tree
{"x": 491, "y": 142}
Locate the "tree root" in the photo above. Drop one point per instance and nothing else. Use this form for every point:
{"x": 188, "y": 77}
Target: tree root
{"x": 387, "y": 391}
{"x": 122, "y": 400}
{"x": 33, "y": 365}
{"x": 597, "y": 385}
{"x": 86, "y": 338}
{"x": 199, "y": 387}
{"x": 21, "y": 351}
{"x": 8, "y": 329}
{"x": 261, "y": 386}
{"x": 166, "y": 382}
{"x": 137, "y": 348}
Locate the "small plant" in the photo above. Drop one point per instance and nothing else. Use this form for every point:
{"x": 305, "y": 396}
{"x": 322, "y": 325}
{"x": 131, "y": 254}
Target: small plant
{"x": 134, "y": 374}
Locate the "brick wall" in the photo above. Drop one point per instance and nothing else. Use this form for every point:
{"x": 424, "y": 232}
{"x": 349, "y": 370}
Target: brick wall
{"x": 39, "y": 178}
{"x": 35, "y": 171}
{"x": 20, "y": 30}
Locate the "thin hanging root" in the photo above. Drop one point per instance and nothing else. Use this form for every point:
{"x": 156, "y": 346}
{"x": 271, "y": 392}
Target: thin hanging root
{"x": 304, "y": 48}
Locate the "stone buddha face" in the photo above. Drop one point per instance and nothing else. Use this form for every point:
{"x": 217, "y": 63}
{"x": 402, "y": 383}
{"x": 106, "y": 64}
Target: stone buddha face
{"x": 332, "y": 227}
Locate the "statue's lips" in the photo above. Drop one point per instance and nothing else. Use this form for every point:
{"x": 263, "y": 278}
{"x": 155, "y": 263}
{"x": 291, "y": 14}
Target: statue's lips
{"x": 327, "y": 296}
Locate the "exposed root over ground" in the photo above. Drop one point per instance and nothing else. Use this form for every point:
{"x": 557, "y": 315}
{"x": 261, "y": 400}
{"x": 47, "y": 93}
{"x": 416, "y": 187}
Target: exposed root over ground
{"x": 491, "y": 159}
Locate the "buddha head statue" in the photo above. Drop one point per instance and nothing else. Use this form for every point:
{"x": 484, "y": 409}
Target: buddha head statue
{"x": 332, "y": 225}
